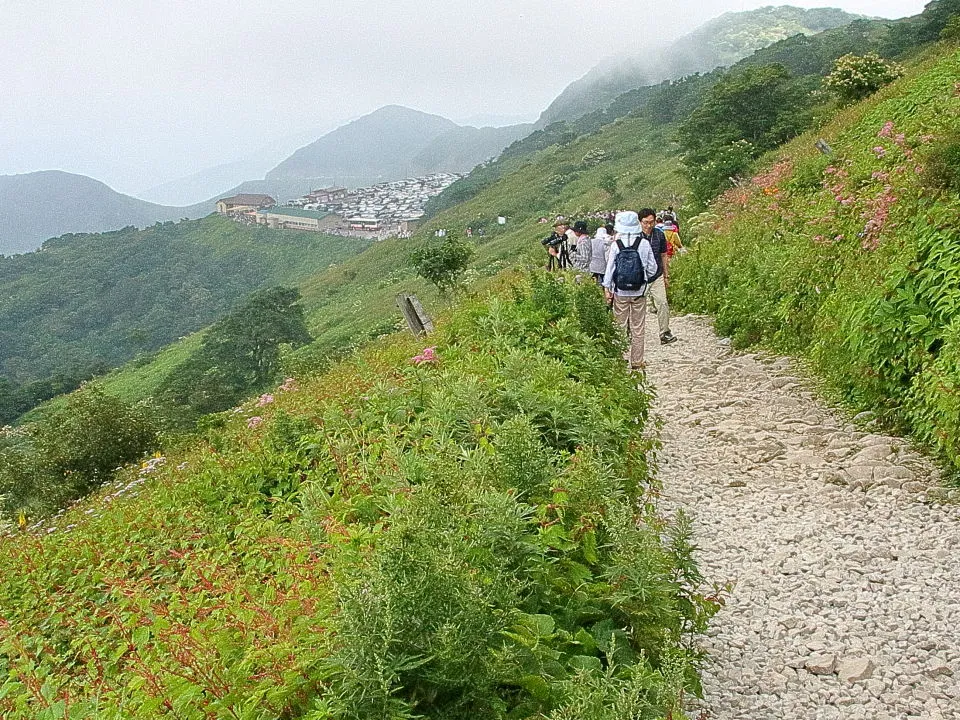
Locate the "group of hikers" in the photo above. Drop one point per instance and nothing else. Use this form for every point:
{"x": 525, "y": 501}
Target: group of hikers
{"x": 629, "y": 256}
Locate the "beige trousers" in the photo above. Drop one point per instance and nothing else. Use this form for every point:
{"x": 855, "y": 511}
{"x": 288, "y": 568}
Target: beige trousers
{"x": 657, "y": 292}
{"x": 631, "y": 312}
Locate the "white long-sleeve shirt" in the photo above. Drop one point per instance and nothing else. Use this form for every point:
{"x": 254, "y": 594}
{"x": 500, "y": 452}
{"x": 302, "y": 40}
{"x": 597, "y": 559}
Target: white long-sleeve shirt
{"x": 646, "y": 258}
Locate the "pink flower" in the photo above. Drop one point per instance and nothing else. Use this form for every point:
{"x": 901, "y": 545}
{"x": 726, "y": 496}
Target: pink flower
{"x": 265, "y": 399}
{"x": 429, "y": 355}
{"x": 289, "y": 385}
{"x": 900, "y": 139}
{"x": 254, "y": 422}
{"x": 887, "y": 129}
{"x": 880, "y": 151}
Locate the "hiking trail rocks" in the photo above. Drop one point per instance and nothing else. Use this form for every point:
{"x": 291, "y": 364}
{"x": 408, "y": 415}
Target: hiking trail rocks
{"x": 843, "y": 558}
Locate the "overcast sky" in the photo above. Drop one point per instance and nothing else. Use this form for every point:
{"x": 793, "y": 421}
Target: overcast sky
{"x": 138, "y": 92}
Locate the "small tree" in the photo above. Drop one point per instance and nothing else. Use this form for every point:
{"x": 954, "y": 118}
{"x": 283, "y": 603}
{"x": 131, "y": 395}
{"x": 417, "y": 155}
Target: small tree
{"x": 240, "y": 354}
{"x": 854, "y": 77}
{"x": 443, "y": 263}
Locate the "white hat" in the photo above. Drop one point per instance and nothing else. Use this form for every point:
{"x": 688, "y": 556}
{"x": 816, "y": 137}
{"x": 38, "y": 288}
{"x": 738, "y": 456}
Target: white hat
{"x": 627, "y": 222}
{"x": 601, "y": 233}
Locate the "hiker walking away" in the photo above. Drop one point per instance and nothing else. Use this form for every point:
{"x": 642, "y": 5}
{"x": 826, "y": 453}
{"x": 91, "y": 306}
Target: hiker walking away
{"x": 668, "y": 223}
{"x": 581, "y": 249}
{"x": 599, "y": 248}
{"x": 629, "y": 264}
{"x": 658, "y": 283}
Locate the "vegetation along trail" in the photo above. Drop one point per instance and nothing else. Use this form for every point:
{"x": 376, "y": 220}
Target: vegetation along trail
{"x": 845, "y": 599}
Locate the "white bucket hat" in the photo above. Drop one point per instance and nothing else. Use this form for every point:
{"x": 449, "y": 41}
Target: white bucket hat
{"x": 627, "y": 222}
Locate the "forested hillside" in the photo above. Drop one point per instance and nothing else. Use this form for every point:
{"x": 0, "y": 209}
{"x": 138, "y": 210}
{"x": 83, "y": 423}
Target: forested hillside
{"x": 85, "y": 303}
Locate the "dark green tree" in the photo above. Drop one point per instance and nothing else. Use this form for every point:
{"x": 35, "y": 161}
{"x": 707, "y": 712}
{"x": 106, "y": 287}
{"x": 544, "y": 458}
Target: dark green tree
{"x": 240, "y": 354}
{"x": 743, "y": 115}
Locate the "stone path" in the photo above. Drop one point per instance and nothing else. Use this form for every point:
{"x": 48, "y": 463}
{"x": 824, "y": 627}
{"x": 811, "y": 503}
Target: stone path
{"x": 845, "y": 572}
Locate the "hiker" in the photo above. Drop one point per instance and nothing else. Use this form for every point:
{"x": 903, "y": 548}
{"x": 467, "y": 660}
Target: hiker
{"x": 625, "y": 283}
{"x": 581, "y": 247}
{"x": 658, "y": 282}
{"x": 599, "y": 249}
{"x": 668, "y": 224}
{"x": 556, "y": 245}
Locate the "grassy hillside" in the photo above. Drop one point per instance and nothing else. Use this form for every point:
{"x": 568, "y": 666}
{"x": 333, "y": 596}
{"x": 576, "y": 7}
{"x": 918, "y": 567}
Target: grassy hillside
{"x": 94, "y": 301}
{"x": 468, "y": 531}
{"x": 625, "y": 164}
{"x": 851, "y": 259}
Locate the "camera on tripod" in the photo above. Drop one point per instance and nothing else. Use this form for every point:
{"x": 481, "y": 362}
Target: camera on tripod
{"x": 554, "y": 240}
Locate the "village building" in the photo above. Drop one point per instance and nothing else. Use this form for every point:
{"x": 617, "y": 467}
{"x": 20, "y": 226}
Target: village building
{"x": 244, "y": 203}
{"x": 289, "y": 218}
{"x": 326, "y": 196}
{"x": 366, "y": 224}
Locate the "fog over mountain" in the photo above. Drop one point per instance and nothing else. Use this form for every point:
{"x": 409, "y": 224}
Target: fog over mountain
{"x": 720, "y": 42}
{"x": 138, "y": 94}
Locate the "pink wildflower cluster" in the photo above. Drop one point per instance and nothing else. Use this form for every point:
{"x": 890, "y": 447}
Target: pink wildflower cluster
{"x": 876, "y": 214}
{"x": 428, "y": 356}
{"x": 289, "y": 385}
{"x": 254, "y": 422}
{"x": 771, "y": 178}
{"x": 836, "y": 185}
{"x": 889, "y": 132}
{"x": 265, "y": 399}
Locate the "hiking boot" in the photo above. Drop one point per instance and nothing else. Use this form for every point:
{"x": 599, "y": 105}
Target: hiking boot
{"x": 667, "y": 338}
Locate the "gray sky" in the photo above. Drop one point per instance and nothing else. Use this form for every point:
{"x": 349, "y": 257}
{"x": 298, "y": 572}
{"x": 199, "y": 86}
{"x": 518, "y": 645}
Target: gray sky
{"x": 138, "y": 92}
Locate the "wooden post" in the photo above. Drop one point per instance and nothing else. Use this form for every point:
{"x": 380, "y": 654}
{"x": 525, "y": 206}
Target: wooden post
{"x": 413, "y": 313}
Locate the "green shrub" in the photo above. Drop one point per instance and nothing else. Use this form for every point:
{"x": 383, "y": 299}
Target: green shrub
{"x": 464, "y": 532}
{"x": 443, "y": 263}
{"x": 854, "y": 77}
{"x": 73, "y": 450}
{"x": 941, "y": 164}
{"x": 848, "y": 261}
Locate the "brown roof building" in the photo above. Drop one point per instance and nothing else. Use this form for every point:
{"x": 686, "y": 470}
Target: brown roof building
{"x": 244, "y": 202}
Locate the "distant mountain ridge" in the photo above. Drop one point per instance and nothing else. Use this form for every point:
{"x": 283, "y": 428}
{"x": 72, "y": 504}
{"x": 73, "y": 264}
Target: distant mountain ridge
{"x": 391, "y": 143}
{"x": 41, "y": 205}
{"x": 720, "y": 42}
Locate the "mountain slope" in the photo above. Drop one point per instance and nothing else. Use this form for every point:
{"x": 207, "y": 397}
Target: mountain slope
{"x": 854, "y": 257}
{"x": 41, "y": 205}
{"x": 198, "y": 187}
{"x": 380, "y": 145}
{"x": 720, "y": 42}
{"x": 463, "y": 148}
{"x": 92, "y": 300}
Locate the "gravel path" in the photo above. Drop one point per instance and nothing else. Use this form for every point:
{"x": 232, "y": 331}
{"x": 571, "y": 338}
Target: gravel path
{"x": 845, "y": 570}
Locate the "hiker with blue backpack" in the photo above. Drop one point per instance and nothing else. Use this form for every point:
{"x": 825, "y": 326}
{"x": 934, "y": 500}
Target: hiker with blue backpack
{"x": 630, "y": 264}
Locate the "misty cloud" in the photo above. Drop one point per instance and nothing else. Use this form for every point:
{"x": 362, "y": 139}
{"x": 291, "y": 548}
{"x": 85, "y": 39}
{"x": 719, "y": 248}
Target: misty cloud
{"x": 136, "y": 93}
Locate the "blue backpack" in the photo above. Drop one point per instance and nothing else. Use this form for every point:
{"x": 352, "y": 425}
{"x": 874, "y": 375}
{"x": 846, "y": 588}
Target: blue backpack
{"x": 628, "y": 272}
